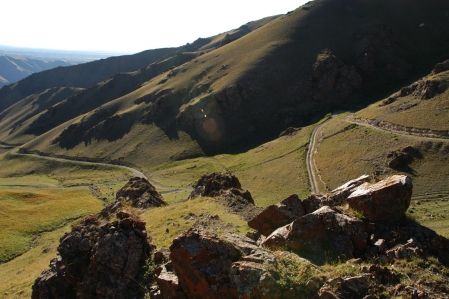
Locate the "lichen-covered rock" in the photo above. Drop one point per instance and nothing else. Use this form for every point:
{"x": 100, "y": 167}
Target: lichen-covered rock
{"x": 385, "y": 201}
{"x": 254, "y": 280}
{"x": 322, "y": 234}
{"x": 278, "y": 215}
{"x": 96, "y": 260}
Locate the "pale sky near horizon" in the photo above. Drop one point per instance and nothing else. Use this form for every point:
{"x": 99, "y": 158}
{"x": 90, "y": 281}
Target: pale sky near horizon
{"x": 125, "y": 26}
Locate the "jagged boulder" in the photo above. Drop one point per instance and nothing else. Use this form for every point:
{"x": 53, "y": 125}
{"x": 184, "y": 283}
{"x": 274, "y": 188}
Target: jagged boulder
{"x": 278, "y": 215}
{"x": 97, "y": 260}
{"x": 141, "y": 194}
{"x": 217, "y": 184}
{"x": 322, "y": 234}
{"x": 385, "y": 201}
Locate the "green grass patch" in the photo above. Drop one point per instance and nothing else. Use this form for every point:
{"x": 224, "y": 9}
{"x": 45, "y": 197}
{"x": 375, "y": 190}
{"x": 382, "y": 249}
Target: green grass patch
{"x": 19, "y": 274}
{"x": 25, "y": 213}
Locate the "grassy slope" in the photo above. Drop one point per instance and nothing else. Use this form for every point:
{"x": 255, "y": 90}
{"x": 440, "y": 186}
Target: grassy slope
{"x": 346, "y": 154}
{"x": 270, "y": 172}
{"x": 411, "y": 111}
{"x": 26, "y": 213}
{"x": 19, "y": 274}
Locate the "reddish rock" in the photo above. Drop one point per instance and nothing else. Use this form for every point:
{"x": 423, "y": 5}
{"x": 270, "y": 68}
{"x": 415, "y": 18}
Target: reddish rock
{"x": 203, "y": 262}
{"x": 278, "y": 215}
{"x": 385, "y": 201}
{"x": 324, "y": 231}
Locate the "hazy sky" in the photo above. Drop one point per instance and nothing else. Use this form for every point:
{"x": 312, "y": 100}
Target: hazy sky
{"x": 125, "y": 26}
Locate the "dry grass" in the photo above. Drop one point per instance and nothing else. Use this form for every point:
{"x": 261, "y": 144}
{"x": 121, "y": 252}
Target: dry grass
{"x": 26, "y": 213}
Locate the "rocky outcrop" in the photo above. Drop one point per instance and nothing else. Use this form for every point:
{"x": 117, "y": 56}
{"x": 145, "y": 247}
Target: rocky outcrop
{"x": 278, "y": 215}
{"x": 141, "y": 194}
{"x": 217, "y": 184}
{"x": 385, "y": 201}
{"x": 97, "y": 260}
{"x": 137, "y": 193}
{"x": 324, "y": 231}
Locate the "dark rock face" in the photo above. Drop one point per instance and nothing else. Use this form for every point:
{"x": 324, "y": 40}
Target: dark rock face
{"x": 141, "y": 193}
{"x": 96, "y": 261}
{"x": 278, "y": 215}
{"x": 216, "y": 184}
{"x": 324, "y": 230}
{"x": 385, "y": 201}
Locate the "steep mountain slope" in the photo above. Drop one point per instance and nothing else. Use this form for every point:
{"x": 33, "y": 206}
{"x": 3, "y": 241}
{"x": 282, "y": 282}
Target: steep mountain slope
{"x": 81, "y": 75}
{"x": 87, "y": 74}
{"x": 13, "y": 118}
{"x": 91, "y": 98}
{"x": 13, "y": 69}
{"x": 282, "y": 74}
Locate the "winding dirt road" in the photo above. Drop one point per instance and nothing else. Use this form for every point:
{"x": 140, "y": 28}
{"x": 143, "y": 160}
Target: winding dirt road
{"x": 310, "y": 162}
{"x": 135, "y": 172}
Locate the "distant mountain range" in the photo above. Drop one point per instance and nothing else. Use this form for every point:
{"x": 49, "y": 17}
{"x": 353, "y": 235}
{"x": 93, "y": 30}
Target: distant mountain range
{"x": 15, "y": 68}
